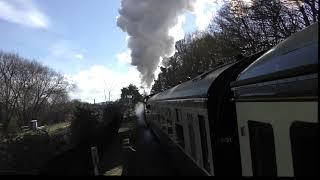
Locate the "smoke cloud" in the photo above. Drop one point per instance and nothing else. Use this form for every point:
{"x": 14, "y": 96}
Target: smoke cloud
{"x": 148, "y": 22}
{"x": 139, "y": 110}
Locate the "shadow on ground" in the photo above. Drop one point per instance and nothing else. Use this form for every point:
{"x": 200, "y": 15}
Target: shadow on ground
{"x": 133, "y": 151}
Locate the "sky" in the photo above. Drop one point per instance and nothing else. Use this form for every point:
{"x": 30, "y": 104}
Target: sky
{"x": 81, "y": 40}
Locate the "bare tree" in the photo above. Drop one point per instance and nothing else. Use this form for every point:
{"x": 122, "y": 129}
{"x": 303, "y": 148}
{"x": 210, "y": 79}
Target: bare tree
{"x": 263, "y": 24}
{"x": 9, "y": 63}
{"x": 27, "y": 87}
{"x": 240, "y": 28}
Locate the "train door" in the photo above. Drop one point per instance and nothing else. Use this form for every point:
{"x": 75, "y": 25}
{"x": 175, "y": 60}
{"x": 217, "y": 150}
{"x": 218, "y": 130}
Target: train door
{"x": 170, "y": 121}
{"x": 191, "y": 136}
{"x": 178, "y": 129}
{"x": 206, "y": 151}
{"x": 163, "y": 120}
{"x": 199, "y": 144}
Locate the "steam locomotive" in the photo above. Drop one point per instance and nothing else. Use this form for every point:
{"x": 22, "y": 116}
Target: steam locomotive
{"x": 255, "y": 117}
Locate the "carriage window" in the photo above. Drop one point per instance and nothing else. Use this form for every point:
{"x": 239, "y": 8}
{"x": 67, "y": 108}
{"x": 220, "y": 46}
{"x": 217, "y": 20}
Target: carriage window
{"x": 177, "y": 115}
{"x": 192, "y": 141}
{"x": 304, "y": 148}
{"x": 204, "y": 144}
{"x": 169, "y": 120}
{"x": 158, "y": 120}
{"x": 262, "y": 149}
{"x": 170, "y": 131}
{"x": 180, "y": 136}
{"x": 163, "y": 123}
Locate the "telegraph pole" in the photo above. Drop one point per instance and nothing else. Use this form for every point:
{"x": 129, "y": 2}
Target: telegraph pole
{"x": 109, "y": 89}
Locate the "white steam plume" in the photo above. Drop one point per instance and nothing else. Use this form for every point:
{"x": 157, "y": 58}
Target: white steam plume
{"x": 139, "y": 110}
{"x": 148, "y": 23}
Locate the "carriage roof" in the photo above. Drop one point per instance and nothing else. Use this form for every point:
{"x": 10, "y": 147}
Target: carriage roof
{"x": 297, "y": 55}
{"x": 195, "y": 88}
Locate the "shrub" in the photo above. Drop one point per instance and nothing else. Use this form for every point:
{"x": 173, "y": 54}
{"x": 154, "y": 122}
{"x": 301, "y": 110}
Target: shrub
{"x": 95, "y": 125}
{"x": 112, "y": 112}
{"x": 27, "y": 153}
{"x": 83, "y": 124}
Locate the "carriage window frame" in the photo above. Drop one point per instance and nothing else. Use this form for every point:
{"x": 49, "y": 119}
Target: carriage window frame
{"x": 192, "y": 139}
{"x": 192, "y": 136}
{"x": 304, "y": 134}
{"x": 262, "y": 146}
{"x": 169, "y": 122}
{"x": 180, "y": 135}
{"x": 178, "y": 115}
{"x": 204, "y": 142}
{"x": 163, "y": 123}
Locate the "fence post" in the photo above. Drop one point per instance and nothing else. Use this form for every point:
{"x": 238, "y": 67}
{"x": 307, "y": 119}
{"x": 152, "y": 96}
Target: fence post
{"x": 34, "y": 124}
{"x": 95, "y": 160}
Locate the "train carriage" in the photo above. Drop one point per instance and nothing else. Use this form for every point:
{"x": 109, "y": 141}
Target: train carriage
{"x": 277, "y": 108}
{"x": 256, "y": 116}
{"x": 197, "y": 116}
